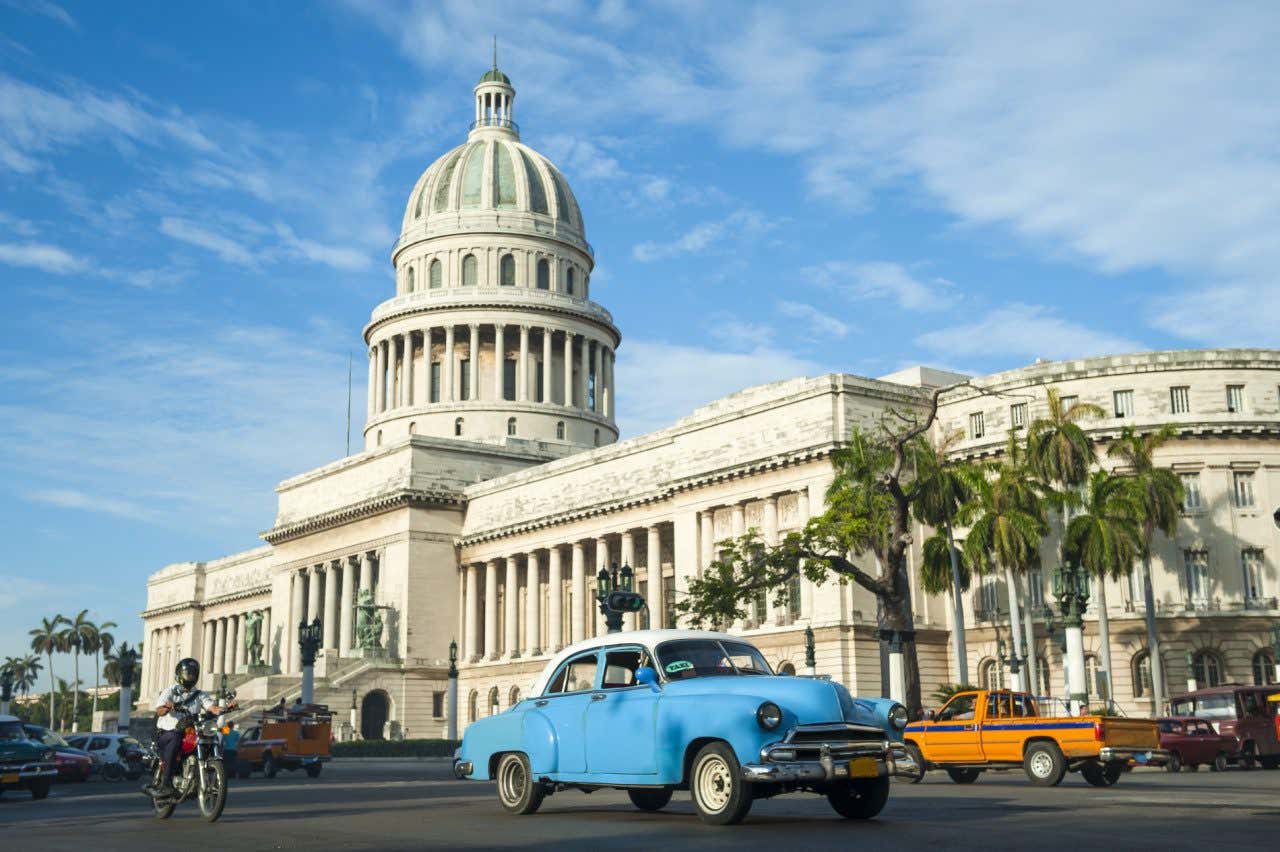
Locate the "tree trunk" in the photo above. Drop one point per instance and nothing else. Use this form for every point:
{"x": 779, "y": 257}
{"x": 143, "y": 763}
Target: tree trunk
{"x": 97, "y": 685}
{"x": 897, "y": 616}
{"x": 1015, "y": 621}
{"x": 1031, "y": 681}
{"x": 1104, "y": 639}
{"x": 75, "y": 692}
{"x": 1153, "y": 643}
{"x": 51, "y": 687}
{"x": 957, "y": 627}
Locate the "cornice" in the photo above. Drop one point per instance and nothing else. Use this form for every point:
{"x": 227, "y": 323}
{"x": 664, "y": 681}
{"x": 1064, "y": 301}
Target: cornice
{"x": 398, "y": 499}
{"x": 542, "y": 302}
{"x": 169, "y": 609}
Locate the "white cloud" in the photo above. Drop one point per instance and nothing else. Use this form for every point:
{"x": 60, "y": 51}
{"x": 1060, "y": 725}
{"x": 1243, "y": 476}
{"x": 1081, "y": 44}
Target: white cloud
{"x": 883, "y": 280}
{"x": 1026, "y": 331}
{"x": 46, "y": 9}
{"x": 223, "y": 246}
{"x": 339, "y": 257}
{"x": 70, "y": 498}
{"x": 820, "y": 323}
{"x": 40, "y": 256}
{"x": 730, "y": 230}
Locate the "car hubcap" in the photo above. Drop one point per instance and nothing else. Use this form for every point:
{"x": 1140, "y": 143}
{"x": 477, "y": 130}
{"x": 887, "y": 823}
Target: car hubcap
{"x": 512, "y": 781}
{"x": 1041, "y": 765}
{"x": 715, "y": 784}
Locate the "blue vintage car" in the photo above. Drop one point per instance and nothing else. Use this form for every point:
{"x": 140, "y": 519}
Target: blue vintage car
{"x": 654, "y": 711}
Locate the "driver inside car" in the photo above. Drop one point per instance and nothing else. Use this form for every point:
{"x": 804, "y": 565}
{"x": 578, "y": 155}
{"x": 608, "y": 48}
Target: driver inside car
{"x": 182, "y": 698}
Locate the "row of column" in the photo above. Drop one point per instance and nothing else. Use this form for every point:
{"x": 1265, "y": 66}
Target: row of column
{"x": 328, "y": 591}
{"x": 163, "y": 648}
{"x": 589, "y": 387}
{"x": 523, "y": 632}
{"x": 222, "y": 650}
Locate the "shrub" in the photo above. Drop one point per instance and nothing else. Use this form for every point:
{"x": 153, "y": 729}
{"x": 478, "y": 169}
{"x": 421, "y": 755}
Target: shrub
{"x": 396, "y": 748}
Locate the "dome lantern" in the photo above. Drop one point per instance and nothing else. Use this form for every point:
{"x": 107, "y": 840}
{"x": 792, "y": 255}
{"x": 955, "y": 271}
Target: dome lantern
{"x": 494, "y": 96}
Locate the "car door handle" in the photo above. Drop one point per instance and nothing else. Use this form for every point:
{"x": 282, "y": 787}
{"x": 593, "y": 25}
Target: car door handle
{"x": 541, "y": 702}
{"x": 971, "y": 727}
{"x": 598, "y": 696}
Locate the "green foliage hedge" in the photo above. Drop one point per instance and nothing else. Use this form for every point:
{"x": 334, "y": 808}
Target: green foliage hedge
{"x": 396, "y": 748}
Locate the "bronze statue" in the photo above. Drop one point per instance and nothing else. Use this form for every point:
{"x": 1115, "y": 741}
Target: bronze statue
{"x": 253, "y": 637}
{"x": 368, "y": 622}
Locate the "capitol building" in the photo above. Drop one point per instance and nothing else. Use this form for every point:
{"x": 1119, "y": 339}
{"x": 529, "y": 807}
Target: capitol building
{"x": 492, "y": 488}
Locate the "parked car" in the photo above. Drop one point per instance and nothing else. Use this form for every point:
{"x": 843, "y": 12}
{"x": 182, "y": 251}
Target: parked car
{"x": 24, "y": 763}
{"x": 291, "y": 738}
{"x": 1193, "y": 742}
{"x": 980, "y": 730}
{"x": 1241, "y": 712}
{"x": 654, "y": 711}
{"x": 73, "y": 763}
{"x": 105, "y": 748}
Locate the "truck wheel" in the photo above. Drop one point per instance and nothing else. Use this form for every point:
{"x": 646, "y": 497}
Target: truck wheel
{"x": 964, "y": 776}
{"x": 861, "y": 798}
{"x": 313, "y": 770}
{"x": 1270, "y": 762}
{"x": 720, "y": 796}
{"x": 1249, "y": 757}
{"x": 518, "y": 791}
{"x": 918, "y": 757}
{"x": 269, "y": 766}
{"x": 1100, "y": 776}
{"x": 1220, "y": 762}
{"x": 1044, "y": 764}
{"x": 39, "y": 788}
{"x": 650, "y": 799}
{"x": 1175, "y": 763}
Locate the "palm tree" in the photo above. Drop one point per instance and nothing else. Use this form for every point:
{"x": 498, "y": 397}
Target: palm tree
{"x": 47, "y": 639}
{"x": 1006, "y": 522}
{"x": 25, "y": 670}
{"x": 99, "y": 643}
{"x": 1158, "y": 492}
{"x": 942, "y": 488}
{"x": 1060, "y": 454}
{"x": 111, "y": 671}
{"x": 1105, "y": 540}
{"x": 79, "y": 632}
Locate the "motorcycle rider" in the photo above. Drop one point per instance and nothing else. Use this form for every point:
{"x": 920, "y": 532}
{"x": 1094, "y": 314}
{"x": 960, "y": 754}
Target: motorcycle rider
{"x": 185, "y": 697}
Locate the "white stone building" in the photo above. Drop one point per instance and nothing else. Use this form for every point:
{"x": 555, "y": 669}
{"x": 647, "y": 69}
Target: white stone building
{"x": 492, "y": 488}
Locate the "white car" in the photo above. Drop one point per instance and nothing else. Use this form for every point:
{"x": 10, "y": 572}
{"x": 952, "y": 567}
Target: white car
{"x": 106, "y": 748}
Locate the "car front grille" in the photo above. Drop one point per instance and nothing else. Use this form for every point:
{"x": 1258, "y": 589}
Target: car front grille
{"x": 834, "y": 733}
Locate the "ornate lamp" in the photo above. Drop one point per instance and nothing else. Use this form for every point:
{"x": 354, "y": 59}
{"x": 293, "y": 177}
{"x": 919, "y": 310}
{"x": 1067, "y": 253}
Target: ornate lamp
{"x": 6, "y": 686}
{"x": 1071, "y": 588}
{"x": 810, "y": 657}
{"x": 615, "y": 596}
{"x": 453, "y": 658}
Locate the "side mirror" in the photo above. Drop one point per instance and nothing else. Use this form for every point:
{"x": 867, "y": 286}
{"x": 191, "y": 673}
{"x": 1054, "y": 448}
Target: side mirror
{"x": 933, "y": 715}
{"x": 648, "y": 677}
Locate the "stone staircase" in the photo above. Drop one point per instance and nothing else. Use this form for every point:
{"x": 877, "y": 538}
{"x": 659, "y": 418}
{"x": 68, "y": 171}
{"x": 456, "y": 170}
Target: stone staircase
{"x": 332, "y": 687}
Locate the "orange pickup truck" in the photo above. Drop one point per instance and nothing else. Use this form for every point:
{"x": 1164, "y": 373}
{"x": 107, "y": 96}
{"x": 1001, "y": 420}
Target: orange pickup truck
{"x": 980, "y": 730}
{"x": 297, "y": 738}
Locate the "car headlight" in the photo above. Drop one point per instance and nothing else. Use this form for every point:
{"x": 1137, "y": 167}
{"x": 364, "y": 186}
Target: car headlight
{"x": 898, "y": 716}
{"x": 48, "y": 755}
{"x": 769, "y": 715}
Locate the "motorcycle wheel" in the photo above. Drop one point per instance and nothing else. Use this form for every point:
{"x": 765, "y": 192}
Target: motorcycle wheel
{"x": 165, "y": 810}
{"x": 112, "y": 772}
{"x": 212, "y": 794}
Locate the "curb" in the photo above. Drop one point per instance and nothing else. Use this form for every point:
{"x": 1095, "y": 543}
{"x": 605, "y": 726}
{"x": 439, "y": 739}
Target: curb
{"x": 408, "y": 757}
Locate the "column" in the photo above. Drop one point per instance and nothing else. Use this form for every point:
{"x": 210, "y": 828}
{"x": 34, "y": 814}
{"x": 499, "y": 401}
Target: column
{"x": 770, "y": 533}
{"x": 380, "y": 398}
{"x": 372, "y": 387}
{"x": 406, "y": 372}
{"x": 289, "y": 634}
{"x": 602, "y": 563}
{"x": 266, "y": 637}
{"x": 471, "y": 638}
{"x": 555, "y": 605}
{"x": 473, "y": 367}
{"x": 532, "y": 599}
{"x": 448, "y": 367}
{"x": 511, "y": 616}
{"x": 568, "y": 368}
{"x": 313, "y": 594}
{"x": 331, "y": 605}
{"x": 584, "y": 377}
{"x": 706, "y": 538}
{"x": 366, "y": 572}
{"x": 491, "y": 610}
{"x": 606, "y": 382}
{"x": 653, "y": 560}
{"x": 499, "y": 359}
{"x": 522, "y": 366}
{"x": 546, "y": 366}
{"x": 344, "y": 607}
{"x": 595, "y": 368}
{"x": 219, "y": 645}
{"x": 237, "y": 650}
{"x": 206, "y": 647}
{"x": 578, "y": 594}
{"x": 807, "y": 587}
{"x": 627, "y": 556}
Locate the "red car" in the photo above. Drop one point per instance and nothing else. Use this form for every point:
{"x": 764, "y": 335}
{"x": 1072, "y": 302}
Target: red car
{"x": 1192, "y": 741}
{"x": 73, "y": 764}
{"x": 1244, "y": 713}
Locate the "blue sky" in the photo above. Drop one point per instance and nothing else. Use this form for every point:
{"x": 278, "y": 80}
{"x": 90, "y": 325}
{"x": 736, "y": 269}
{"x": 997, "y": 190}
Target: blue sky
{"x": 197, "y": 203}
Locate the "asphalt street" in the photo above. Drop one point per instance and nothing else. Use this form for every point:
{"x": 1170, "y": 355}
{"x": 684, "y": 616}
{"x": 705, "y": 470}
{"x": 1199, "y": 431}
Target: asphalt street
{"x": 418, "y": 805}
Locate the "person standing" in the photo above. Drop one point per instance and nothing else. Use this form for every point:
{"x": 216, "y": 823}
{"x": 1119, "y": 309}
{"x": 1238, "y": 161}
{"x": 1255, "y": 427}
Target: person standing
{"x": 230, "y": 748}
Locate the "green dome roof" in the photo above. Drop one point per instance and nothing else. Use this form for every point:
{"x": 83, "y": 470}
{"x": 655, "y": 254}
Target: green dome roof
{"x": 493, "y": 75}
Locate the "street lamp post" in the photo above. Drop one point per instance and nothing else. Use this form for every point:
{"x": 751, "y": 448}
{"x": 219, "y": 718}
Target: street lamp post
{"x": 810, "y": 657}
{"x": 310, "y": 637}
{"x": 616, "y": 597}
{"x": 897, "y": 663}
{"x": 452, "y": 724}
{"x": 127, "y": 661}
{"x": 1071, "y": 588}
{"x": 353, "y": 713}
{"x": 1013, "y": 661}
{"x": 1192, "y": 683}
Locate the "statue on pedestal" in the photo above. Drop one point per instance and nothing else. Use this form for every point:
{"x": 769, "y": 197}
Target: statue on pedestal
{"x": 253, "y": 638}
{"x": 368, "y": 622}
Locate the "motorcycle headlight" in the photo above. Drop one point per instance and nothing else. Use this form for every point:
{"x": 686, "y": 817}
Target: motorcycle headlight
{"x": 769, "y": 716}
{"x": 898, "y": 716}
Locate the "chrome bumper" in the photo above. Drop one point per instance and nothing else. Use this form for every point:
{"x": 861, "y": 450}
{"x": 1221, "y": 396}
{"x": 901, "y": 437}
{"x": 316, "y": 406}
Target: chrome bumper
{"x": 1141, "y": 756}
{"x": 778, "y": 762}
{"x": 30, "y": 770}
{"x": 461, "y": 768}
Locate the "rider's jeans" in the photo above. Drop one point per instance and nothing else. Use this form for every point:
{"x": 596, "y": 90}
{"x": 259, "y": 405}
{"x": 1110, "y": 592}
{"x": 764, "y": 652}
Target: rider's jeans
{"x": 167, "y": 745}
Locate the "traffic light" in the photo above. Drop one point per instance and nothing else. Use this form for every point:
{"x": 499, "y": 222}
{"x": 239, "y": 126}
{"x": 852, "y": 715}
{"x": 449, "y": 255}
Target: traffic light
{"x": 625, "y": 601}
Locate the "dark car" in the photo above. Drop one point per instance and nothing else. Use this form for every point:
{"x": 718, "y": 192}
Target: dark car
{"x": 25, "y": 764}
{"x": 1241, "y": 712}
{"x": 74, "y": 764}
{"x": 1192, "y": 742}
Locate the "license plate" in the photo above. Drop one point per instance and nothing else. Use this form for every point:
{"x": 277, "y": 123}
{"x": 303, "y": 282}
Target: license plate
{"x": 864, "y": 767}
{"x": 9, "y": 778}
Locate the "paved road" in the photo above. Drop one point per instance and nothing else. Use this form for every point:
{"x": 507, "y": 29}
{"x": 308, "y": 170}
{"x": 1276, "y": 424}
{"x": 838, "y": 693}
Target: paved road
{"x": 417, "y": 805}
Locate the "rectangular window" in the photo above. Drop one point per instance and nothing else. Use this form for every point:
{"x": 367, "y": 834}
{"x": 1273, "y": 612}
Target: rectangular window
{"x": 1180, "y": 399}
{"x": 435, "y": 382}
{"x": 1191, "y": 499}
{"x": 988, "y": 596}
{"x": 509, "y": 379}
{"x": 1242, "y": 489}
{"x": 669, "y": 602}
{"x": 464, "y": 379}
{"x": 977, "y": 427}
{"x": 1123, "y": 403}
{"x": 761, "y": 609}
{"x": 1018, "y": 415}
{"x": 1196, "y": 567}
{"x": 1251, "y": 557}
{"x": 1035, "y": 588}
{"x": 1235, "y": 398}
{"x": 1068, "y": 402}
{"x": 793, "y": 599}
{"x": 437, "y": 705}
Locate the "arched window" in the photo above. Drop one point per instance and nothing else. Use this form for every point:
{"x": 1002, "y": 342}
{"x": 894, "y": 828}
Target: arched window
{"x": 560, "y": 430}
{"x": 457, "y": 428}
{"x": 413, "y": 427}
{"x": 507, "y": 271}
{"x": 435, "y": 275}
{"x": 493, "y": 702}
{"x": 991, "y": 674}
{"x": 379, "y": 442}
{"x": 1091, "y": 666}
{"x": 597, "y": 437}
{"x": 586, "y": 283}
{"x": 544, "y": 275}
{"x": 469, "y": 271}
{"x": 511, "y": 426}
{"x": 1141, "y": 674}
{"x": 1207, "y": 669}
{"x": 408, "y": 280}
{"x": 568, "y": 280}
{"x": 473, "y": 706}
{"x": 1264, "y": 668}
{"x": 514, "y": 697}
{"x": 787, "y": 669}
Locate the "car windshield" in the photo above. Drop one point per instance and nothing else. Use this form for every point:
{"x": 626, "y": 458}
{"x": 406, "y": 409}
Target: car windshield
{"x": 1216, "y": 706}
{"x": 11, "y": 732}
{"x": 690, "y": 658}
{"x": 130, "y": 742}
{"x": 52, "y": 738}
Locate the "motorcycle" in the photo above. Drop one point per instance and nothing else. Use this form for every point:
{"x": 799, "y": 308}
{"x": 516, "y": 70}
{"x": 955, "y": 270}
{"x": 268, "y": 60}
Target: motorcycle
{"x": 200, "y": 773}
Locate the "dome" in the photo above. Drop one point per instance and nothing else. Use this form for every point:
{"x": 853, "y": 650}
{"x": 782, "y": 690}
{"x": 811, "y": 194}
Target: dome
{"x": 493, "y": 75}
